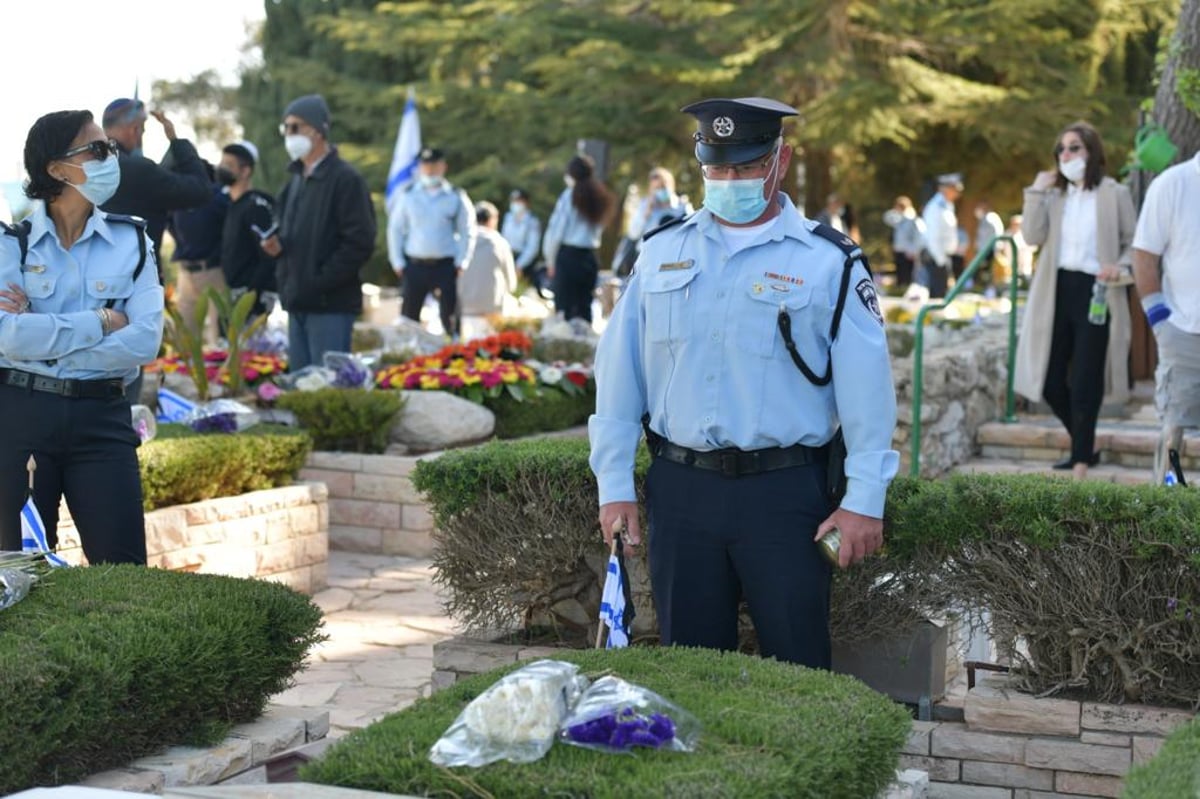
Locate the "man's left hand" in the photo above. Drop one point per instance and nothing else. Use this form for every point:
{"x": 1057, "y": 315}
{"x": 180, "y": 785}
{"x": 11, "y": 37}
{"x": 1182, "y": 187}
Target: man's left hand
{"x": 167, "y": 125}
{"x": 861, "y": 535}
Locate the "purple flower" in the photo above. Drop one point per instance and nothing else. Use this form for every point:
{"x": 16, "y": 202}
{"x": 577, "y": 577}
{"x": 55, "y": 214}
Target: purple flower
{"x": 624, "y": 730}
{"x": 349, "y": 375}
{"x": 1172, "y": 603}
{"x": 217, "y": 423}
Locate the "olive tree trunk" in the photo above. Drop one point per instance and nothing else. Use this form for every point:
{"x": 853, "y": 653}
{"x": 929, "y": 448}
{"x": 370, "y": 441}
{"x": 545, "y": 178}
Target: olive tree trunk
{"x": 1180, "y": 85}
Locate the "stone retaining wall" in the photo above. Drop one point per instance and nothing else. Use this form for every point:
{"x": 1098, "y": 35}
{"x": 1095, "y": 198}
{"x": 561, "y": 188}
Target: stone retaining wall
{"x": 373, "y": 506}
{"x": 280, "y": 534}
{"x": 964, "y": 387}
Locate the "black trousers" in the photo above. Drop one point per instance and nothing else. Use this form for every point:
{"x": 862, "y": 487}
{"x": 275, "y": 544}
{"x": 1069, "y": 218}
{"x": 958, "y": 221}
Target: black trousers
{"x": 715, "y": 540}
{"x": 575, "y": 271}
{"x": 1074, "y": 385}
{"x": 904, "y": 268}
{"x": 86, "y": 450}
{"x": 423, "y": 275}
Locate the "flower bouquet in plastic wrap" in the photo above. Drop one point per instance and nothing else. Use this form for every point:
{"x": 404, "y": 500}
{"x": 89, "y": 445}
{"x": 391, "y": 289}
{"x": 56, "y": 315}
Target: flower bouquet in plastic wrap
{"x": 349, "y": 370}
{"x": 516, "y": 719}
{"x": 613, "y": 715}
{"x": 221, "y": 416}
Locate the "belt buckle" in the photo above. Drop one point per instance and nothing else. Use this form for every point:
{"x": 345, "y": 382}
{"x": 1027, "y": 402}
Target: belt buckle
{"x": 70, "y": 388}
{"x": 729, "y": 464}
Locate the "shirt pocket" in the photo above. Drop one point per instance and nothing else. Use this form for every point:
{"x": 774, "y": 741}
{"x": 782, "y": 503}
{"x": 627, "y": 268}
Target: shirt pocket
{"x": 666, "y": 295}
{"x": 106, "y": 288}
{"x": 759, "y": 324}
{"x": 38, "y": 285}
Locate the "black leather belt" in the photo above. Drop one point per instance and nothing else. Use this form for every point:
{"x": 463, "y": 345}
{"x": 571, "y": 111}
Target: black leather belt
{"x": 428, "y": 261}
{"x": 87, "y": 389}
{"x": 736, "y": 462}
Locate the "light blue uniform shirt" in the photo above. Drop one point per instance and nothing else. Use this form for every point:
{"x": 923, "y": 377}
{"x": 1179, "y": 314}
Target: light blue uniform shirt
{"x": 567, "y": 226}
{"x": 524, "y": 234}
{"x": 694, "y": 342}
{"x": 65, "y": 287}
{"x": 432, "y": 224}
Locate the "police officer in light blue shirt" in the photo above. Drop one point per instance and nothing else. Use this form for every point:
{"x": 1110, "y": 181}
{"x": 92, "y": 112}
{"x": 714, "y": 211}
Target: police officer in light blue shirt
{"x": 737, "y": 491}
{"x": 81, "y": 309}
{"x": 523, "y": 232}
{"x": 431, "y": 236}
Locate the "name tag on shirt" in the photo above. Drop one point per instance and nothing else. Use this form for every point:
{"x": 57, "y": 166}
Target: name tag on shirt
{"x": 36, "y": 269}
{"x": 673, "y": 266}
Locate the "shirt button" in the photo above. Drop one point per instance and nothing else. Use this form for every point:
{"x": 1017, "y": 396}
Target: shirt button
{"x": 100, "y": 285}
{"x": 720, "y": 294}
{"x": 716, "y": 336}
{"x": 708, "y": 418}
{"x": 709, "y": 378}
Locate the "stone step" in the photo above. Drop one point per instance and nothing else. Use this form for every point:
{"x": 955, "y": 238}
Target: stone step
{"x": 1128, "y": 443}
{"x": 1107, "y": 472}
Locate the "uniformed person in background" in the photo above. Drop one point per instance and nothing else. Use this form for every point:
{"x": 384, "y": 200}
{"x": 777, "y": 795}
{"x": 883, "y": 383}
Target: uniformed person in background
{"x": 736, "y": 493}
{"x": 77, "y": 319}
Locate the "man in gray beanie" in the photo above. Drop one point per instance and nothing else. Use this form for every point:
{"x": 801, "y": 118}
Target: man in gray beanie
{"x": 326, "y": 233}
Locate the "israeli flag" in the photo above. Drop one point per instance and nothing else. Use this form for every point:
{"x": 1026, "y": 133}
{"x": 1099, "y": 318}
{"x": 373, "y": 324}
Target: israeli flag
{"x": 612, "y": 605}
{"x": 404, "y": 157}
{"x": 173, "y": 407}
{"x": 33, "y": 534}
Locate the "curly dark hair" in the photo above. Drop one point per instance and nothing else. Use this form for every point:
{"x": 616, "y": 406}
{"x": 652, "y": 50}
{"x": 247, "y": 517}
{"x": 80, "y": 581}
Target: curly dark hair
{"x": 590, "y": 197}
{"x": 1097, "y": 163}
{"x": 48, "y": 139}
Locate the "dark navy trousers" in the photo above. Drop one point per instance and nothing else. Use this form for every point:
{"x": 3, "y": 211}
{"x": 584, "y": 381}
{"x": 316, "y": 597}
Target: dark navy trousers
{"x": 86, "y": 450}
{"x": 714, "y": 540}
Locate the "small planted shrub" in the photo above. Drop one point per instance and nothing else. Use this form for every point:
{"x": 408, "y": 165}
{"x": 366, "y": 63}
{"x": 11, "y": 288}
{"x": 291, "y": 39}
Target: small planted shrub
{"x": 1173, "y": 772}
{"x": 566, "y": 350}
{"x": 769, "y": 729}
{"x": 345, "y": 420}
{"x": 102, "y": 665}
{"x": 545, "y": 412}
{"x": 181, "y": 465}
{"x": 1098, "y": 583}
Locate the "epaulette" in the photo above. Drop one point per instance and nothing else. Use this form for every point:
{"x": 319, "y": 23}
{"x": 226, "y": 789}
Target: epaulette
{"x": 128, "y": 219}
{"x": 668, "y": 224}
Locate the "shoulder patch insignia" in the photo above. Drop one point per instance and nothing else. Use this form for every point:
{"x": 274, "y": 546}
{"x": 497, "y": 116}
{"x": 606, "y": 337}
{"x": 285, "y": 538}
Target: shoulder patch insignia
{"x": 866, "y": 294}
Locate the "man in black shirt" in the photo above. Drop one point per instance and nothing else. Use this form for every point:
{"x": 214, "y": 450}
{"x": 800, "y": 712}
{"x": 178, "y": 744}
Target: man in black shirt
{"x": 197, "y": 235}
{"x": 250, "y": 219}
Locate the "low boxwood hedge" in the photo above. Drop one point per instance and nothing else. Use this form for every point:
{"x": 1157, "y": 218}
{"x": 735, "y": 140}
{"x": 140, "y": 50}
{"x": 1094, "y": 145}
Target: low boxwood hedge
{"x": 1173, "y": 772}
{"x": 770, "y": 729}
{"x": 551, "y": 410}
{"x": 181, "y": 466}
{"x": 345, "y": 420}
{"x": 102, "y": 665}
{"x": 1098, "y": 583}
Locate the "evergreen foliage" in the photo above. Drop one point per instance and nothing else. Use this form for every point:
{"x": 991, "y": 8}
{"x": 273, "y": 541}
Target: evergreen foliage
{"x": 1173, "y": 772}
{"x": 770, "y": 729}
{"x": 101, "y": 665}
{"x": 345, "y": 419}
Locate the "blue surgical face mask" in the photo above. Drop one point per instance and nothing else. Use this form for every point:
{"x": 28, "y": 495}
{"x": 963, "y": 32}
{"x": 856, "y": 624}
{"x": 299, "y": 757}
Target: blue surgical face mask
{"x": 101, "y": 179}
{"x": 431, "y": 181}
{"x": 739, "y": 201}
{"x": 663, "y": 195}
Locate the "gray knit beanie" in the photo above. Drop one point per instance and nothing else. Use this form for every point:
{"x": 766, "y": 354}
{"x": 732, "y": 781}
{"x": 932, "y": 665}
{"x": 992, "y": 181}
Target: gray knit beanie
{"x": 313, "y": 110}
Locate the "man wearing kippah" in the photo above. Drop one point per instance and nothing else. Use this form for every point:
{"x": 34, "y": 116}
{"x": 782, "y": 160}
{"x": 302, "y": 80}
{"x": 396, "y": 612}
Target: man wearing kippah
{"x": 251, "y": 217}
{"x": 745, "y": 338}
{"x": 326, "y": 233}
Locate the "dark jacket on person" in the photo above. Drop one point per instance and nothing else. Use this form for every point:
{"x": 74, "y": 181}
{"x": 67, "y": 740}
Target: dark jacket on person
{"x": 152, "y": 191}
{"x": 246, "y": 265}
{"x": 327, "y": 229}
{"x": 197, "y": 231}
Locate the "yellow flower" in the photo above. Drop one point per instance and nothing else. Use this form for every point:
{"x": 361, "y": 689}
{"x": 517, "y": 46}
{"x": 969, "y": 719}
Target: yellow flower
{"x": 509, "y": 376}
{"x": 470, "y": 379}
{"x": 430, "y": 382}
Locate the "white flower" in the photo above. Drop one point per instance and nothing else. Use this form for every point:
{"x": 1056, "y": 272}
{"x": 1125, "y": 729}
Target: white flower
{"x": 313, "y": 381}
{"x": 551, "y": 375}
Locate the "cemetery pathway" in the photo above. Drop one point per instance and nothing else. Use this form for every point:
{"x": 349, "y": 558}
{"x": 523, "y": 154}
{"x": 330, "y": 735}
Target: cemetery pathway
{"x": 382, "y": 615}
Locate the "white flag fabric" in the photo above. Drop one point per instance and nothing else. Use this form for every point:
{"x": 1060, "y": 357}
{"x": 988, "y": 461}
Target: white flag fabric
{"x": 404, "y": 157}
{"x": 33, "y": 534}
{"x": 612, "y": 606}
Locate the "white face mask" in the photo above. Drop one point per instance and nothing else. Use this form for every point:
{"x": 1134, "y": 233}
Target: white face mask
{"x": 297, "y": 146}
{"x": 569, "y": 181}
{"x": 1074, "y": 169}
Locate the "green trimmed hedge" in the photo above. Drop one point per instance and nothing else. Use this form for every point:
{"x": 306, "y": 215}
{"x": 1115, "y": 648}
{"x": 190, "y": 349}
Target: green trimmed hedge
{"x": 99, "y": 666}
{"x": 770, "y": 729}
{"x": 1078, "y": 572}
{"x": 552, "y": 410}
{"x": 1173, "y": 772}
{"x": 181, "y": 466}
{"x": 343, "y": 419}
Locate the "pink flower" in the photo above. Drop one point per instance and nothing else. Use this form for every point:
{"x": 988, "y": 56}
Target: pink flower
{"x": 269, "y": 392}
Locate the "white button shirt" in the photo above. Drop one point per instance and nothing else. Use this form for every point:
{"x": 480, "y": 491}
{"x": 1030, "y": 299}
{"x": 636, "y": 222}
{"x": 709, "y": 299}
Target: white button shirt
{"x": 1077, "y": 249}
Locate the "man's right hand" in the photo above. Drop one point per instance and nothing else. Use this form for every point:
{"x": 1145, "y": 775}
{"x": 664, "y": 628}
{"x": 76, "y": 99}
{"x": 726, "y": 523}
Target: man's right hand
{"x": 271, "y": 246}
{"x": 626, "y": 511}
{"x": 167, "y": 125}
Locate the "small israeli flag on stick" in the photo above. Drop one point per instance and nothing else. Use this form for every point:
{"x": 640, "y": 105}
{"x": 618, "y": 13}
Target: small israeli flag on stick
{"x": 33, "y": 531}
{"x": 615, "y": 612}
{"x": 173, "y": 407}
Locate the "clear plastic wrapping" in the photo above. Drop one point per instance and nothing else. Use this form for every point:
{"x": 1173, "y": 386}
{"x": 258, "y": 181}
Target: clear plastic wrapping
{"x": 14, "y": 585}
{"x": 516, "y": 719}
{"x": 349, "y": 370}
{"x": 613, "y": 715}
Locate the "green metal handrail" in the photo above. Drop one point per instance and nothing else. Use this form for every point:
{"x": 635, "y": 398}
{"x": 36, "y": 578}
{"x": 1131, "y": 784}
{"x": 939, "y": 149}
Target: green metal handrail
{"x": 914, "y": 467}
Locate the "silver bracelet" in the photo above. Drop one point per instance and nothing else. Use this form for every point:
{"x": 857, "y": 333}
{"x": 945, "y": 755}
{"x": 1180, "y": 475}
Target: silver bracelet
{"x": 102, "y": 313}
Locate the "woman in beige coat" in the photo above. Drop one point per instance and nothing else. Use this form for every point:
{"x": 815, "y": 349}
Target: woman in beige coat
{"x": 1084, "y": 223}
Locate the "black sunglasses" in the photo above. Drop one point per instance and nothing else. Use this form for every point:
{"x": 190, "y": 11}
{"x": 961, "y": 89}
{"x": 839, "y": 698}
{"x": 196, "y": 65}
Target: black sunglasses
{"x": 100, "y": 149}
{"x": 1074, "y": 148}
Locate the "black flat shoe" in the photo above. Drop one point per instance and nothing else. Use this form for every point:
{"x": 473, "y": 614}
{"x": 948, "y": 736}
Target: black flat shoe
{"x": 1068, "y": 464}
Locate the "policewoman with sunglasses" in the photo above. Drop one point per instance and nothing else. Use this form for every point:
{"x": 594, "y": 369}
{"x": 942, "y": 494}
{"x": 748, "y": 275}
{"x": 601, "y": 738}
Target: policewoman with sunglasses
{"x": 1083, "y": 221}
{"x": 75, "y": 324}
{"x": 737, "y": 492}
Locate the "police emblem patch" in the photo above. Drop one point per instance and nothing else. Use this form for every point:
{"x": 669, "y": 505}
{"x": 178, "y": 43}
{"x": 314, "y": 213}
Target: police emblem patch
{"x": 866, "y": 293}
{"x": 723, "y": 126}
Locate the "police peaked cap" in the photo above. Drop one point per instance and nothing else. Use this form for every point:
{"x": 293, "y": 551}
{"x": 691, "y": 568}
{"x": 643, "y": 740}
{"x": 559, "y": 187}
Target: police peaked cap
{"x": 737, "y": 131}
